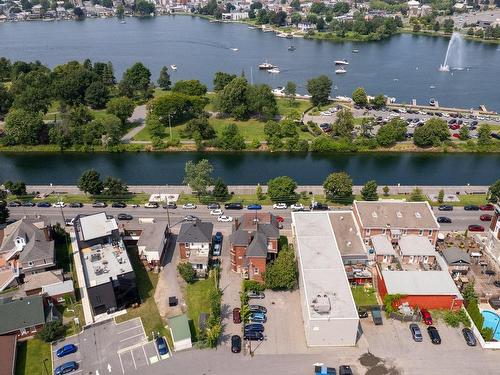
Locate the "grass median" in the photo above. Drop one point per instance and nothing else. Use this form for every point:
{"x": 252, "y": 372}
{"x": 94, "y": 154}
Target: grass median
{"x": 33, "y": 357}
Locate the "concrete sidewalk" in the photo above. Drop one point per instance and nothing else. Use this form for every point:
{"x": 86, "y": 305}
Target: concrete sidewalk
{"x": 87, "y": 310}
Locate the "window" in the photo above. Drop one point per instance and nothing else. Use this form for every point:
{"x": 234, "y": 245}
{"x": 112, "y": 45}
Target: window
{"x": 367, "y": 232}
{"x": 421, "y": 232}
{"x": 255, "y": 271}
{"x": 430, "y": 232}
{"x": 384, "y": 231}
{"x": 405, "y": 231}
{"x": 186, "y": 245}
{"x": 31, "y": 263}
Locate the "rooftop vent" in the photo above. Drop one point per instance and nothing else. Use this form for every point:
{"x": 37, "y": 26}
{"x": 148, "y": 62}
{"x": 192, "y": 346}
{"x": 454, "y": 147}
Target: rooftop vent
{"x": 417, "y": 215}
{"x": 399, "y": 214}
{"x": 321, "y": 304}
{"x": 350, "y": 229}
{"x": 341, "y": 218}
{"x": 374, "y": 214}
{"x": 348, "y": 243}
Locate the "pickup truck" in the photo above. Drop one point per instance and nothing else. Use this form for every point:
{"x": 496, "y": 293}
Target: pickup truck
{"x": 377, "y": 316}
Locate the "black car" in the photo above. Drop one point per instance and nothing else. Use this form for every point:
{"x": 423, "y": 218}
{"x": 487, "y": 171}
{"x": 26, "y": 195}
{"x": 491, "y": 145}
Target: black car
{"x": 213, "y": 206}
{"x": 235, "y": 343}
{"x": 124, "y": 217}
{"x": 434, "y": 335}
{"x": 14, "y": 204}
{"x": 445, "y": 207}
{"x": 254, "y": 327}
{"x": 362, "y": 313}
{"x": 76, "y": 205}
{"x": 233, "y": 206}
{"x": 316, "y": 206}
{"x": 253, "y": 336}
{"x": 170, "y": 206}
{"x": 118, "y": 205}
{"x": 43, "y": 204}
{"x": 28, "y": 204}
{"x": 257, "y": 308}
{"x": 99, "y": 205}
{"x": 443, "y": 219}
{"x": 345, "y": 370}
{"x": 471, "y": 207}
{"x": 469, "y": 337}
{"x": 497, "y": 283}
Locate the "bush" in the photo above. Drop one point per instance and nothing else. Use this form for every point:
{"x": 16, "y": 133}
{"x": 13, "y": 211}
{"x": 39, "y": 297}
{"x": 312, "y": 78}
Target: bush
{"x": 454, "y": 318}
{"x": 282, "y": 273}
{"x": 52, "y": 331}
{"x": 252, "y": 285}
{"x": 187, "y": 272}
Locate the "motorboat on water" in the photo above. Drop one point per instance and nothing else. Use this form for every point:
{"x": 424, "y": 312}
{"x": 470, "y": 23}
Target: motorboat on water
{"x": 355, "y": 51}
{"x": 340, "y": 70}
{"x": 432, "y": 102}
{"x": 341, "y": 62}
{"x": 234, "y": 49}
{"x": 291, "y": 48}
{"x": 266, "y": 66}
{"x": 274, "y": 70}
{"x": 173, "y": 66}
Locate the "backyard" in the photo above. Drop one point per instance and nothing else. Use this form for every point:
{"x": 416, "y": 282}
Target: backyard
{"x": 364, "y": 296}
{"x": 198, "y": 301}
{"x": 33, "y": 357}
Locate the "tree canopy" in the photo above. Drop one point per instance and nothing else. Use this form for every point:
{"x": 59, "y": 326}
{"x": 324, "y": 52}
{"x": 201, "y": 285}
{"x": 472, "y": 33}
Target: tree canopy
{"x": 432, "y": 133}
{"x": 282, "y": 190}
{"x": 198, "y": 176}
{"x": 319, "y": 88}
{"x": 338, "y": 187}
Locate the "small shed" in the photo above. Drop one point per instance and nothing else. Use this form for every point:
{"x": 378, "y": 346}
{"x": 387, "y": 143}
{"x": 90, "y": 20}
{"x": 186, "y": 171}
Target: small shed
{"x": 179, "y": 329}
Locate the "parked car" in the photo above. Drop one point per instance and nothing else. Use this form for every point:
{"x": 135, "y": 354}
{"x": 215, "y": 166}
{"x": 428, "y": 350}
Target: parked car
{"x": 487, "y": 207}
{"x": 426, "y": 316}
{"x": 14, "y": 204}
{"x": 98, "y": 204}
{"x": 66, "y": 368}
{"x": 59, "y": 205}
{"x": 445, "y": 207}
{"x": 377, "y": 316}
{"x": 151, "y": 205}
{"x": 316, "y": 206}
{"x": 213, "y": 206}
{"x": 254, "y": 206}
{"x": 43, "y": 204}
{"x": 280, "y": 219}
{"x": 255, "y": 295}
{"x": 253, "y": 336}
{"x": 297, "y": 207}
{"x": 28, "y": 204}
{"x": 66, "y": 349}
{"x": 471, "y": 207}
{"x": 443, "y": 219}
{"x": 255, "y": 327}
{"x": 170, "y": 206}
{"x": 280, "y": 206}
{"x": 469, "y": 337}
{"x": 118, "y": 205}
{"x": 190, "y": 218}
{"x": 124, "y": 217}
{"x": 415, "y": 332}
{"x": 434, "y": 335}
{"x": 69, "y": 222}
{"x": 233, "y": 206}
{"x": 216, "y": 212}
{"x": 236, "y": 315}
{"x": 76, "y": 205}
{"x": 225, "y": 219}
{"x": 257, "y": 308}
{"x": 217, "y": 249}
{"x": 485, "y": 217}
{"x": 257, "y": 317}
{"x": 475, "y": 228}
{"x": 345, "y": 370}
{"x": 497, "y": 283}
{"x": 161, "y": 345}
{"x": 189, "y": 206}
{"x": 235, "y": 344}
{"x": 218, "y": 237}
{"x": 362, "y": 313}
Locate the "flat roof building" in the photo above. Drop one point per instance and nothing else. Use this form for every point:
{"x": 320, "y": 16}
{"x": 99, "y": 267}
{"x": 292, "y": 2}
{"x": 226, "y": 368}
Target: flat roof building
{"x": 328, "y": 308}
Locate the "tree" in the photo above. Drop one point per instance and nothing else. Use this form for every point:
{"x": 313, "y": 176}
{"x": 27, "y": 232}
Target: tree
{"x": 175, "y": 107}
{"x": 319, "y": 88}
{"x": 282, "y": 189}
{"x": 344, "y": 124}
{"x": 187, "y": 272}
{"x": 494, "y": 192}
{"x": 32, "y": 91}
{"x": 198, "y": 176}
{"x": 52, "y": 331}
{"x": 90, "y": 182}
{"x": 114, "y": 186}
{"x": 71, "y": 81}
{"x": 291, "y": 91}
{"x": 164, "y": 79}
{"x": 369, "y": 191}
{"x": 120, "y": 11}
{"x": 378, "y": 101}
{"x": 221, "y": 80}
{"x": 261, "y": 101}
{"x": 295, "y": 4}
{"x": 436, "y": 26}
{"x": 258, "y": 193}
{"x": 4, "y": 211}
{"x": 338, "y": 187}
{"x": 144, "y": 8}
{"x": 79, "y": 13}
{"x": 199, "y": 126}
{"x": 136, "y": 81}
{"x": 220, "y": 191}
{"x": 432, "y": 133}
{"x": 231, "y": 139}
{"x": 191, "y": 87}
{"x": 448, "y": 25}
{"x": 17, "y": 188}
{"x": 97, "y": 95}
{"x": 386, "y": 191}
{"x": 232, "y": 99}
{"x": 416, "y": 195}
{"x": 484, "y": 135}
{"x": 272, "y": 129}
{"x": 121, "y": 107}
{"x": 441, "y": 196}
{"x": 282, "y": 273}
{"x": 394, "y": 131}
{"x": 320, "y": 23}
{"x": 6, "y": 100}
{"x": 359, "y": 97}
{"x": 464, "y": 133}
{"x": 23, "y": 127}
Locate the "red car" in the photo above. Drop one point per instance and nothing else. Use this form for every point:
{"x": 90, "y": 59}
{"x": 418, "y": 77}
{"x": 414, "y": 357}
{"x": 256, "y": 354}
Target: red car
{"x": 280, "y": 219}
{"x": 455, "y": 135}
{"x": 475, "y": 228}
{"x": 486, "y": 207}
{"x": 485, "y": 217}
{"x": 454, "y": 127}
{"x": 426, "y": 316}
{"x": 236, "y": 316}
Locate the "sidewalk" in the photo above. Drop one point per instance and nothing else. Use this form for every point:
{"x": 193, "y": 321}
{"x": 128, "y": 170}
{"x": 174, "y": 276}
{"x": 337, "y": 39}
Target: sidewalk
{"x": 87, "y": 311}
{"x": 139, "y": 116}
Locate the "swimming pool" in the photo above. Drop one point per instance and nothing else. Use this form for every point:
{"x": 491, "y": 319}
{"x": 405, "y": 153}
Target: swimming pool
{"x": 491, "y": 320}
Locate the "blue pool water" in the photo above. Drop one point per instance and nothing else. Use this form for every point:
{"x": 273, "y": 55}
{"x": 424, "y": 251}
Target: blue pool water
{"x": 491, "y": 321}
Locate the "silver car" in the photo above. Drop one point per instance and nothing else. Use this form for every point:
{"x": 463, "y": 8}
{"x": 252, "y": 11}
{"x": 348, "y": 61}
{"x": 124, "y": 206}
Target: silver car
{"x": 415, "y": 332}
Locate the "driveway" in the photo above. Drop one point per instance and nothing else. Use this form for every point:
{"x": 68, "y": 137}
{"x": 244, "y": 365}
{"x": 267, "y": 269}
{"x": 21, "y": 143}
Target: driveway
{"x": 138, "y": 117}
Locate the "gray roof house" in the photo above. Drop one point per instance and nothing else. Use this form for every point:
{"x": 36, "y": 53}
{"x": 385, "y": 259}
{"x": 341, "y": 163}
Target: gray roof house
{"x": 457, "y": 260}
{"x": 194, "y": 241}
{"x": 196, "y": 231}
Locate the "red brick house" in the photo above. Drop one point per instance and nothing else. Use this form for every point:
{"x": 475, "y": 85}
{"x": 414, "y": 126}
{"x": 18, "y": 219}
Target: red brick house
{"x": 254, "y": 242}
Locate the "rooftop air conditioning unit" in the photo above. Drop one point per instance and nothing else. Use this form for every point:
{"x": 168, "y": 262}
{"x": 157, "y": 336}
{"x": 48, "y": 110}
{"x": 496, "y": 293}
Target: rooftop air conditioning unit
{"x": 321, "y": 304}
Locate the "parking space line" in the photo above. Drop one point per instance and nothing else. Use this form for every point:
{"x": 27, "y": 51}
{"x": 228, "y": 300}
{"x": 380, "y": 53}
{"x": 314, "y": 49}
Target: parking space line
{"x": 133, "y": 359}
{"x": 121, "y": 363}
{"x": 145, "y": 355}
{"x": 128, "y": 329}
{"x": 131, "y": 337}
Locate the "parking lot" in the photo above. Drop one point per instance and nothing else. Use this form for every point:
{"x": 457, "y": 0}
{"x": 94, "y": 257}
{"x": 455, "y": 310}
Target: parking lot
{"x": 110, "y": 348}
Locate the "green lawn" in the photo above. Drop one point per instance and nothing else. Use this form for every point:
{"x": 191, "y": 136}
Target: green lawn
{"x": 139, "y": 198}
{"x": 285, "y": 107}
{"x": 147, "y": 311}
{"x": 198, "y": 300}
{"x": 362, "y": 297}
{"x": 33, "y": 357}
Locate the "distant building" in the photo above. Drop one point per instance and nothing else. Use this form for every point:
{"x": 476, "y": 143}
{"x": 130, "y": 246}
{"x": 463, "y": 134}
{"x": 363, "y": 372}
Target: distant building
{"x": 109, "y": 277}
{"x": 235, "y": 16}
{"x": 195, "y": 241}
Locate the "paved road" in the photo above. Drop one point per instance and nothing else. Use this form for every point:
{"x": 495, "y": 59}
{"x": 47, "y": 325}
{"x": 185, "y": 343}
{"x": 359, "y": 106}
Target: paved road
{"x": 139, "y": 117}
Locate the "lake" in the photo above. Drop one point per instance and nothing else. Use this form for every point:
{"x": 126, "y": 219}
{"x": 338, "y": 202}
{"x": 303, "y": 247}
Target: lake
{"x": 404, "y": 66}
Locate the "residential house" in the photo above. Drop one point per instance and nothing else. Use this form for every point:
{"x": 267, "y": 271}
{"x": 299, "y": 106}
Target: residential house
{"x": 383, "y": 249}
{"x": 254, "y": 242}
{"x": 195, "y": 241}
{"x": 347, "y": 234}
{"x": 458, "y": 261}
{"x": 416, "y": 249}
{"x": 235, "y": 16}
{"x": 395, "y": 218}
{"x": 150, "y": 236}
{"x": 26, "y": 247}
{"x": 492, "y": 245}
{"x": 8, "y": 350}
{"x": 51, "y": 284}
{"x": 108, "y": 275}
{"x": 24, "y": 316}
{"x": 180, "y": 332}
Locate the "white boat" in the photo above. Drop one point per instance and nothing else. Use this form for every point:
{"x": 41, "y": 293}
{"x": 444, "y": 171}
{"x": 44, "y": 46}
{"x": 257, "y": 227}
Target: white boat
{"x": 266, "y": 66}
{"x": 123, "y": 21}
{"x": 281, "y": 35}
{"x": 341, "y": 62}
{"x": 355, "y": 51}
{"x": 274, "y": 70}
{"x": 252, "y": 27}
{"x": 340, "y": 71}
{"x": 234, "y": 49}
{"x": 173, "y": 66}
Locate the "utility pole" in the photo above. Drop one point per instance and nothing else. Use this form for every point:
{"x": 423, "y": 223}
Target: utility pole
{"x": 170, "y": 125}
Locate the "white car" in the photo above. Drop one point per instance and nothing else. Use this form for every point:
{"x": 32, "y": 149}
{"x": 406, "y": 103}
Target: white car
{"x": 280, "y": 206}
{"x": 217, "y": 212}
{"x": 151, "y": 205}
{"x": 59, "y": 205}
{"x": 225, "y": 219}
{"x": 189, "y": 206}
{"x": 297, "y": 207}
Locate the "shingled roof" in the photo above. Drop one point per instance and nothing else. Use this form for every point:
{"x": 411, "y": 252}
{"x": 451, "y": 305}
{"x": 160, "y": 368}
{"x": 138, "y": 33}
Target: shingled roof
{"x": 196, "y": 232}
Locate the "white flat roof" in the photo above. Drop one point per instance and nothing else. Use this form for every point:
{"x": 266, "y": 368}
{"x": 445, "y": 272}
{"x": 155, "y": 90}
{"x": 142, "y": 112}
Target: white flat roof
{"x": 321, "y": 266}
{"x": 96, "y": 226}
{"x": 382, "y": 245}
{"x": 413, "y": 244}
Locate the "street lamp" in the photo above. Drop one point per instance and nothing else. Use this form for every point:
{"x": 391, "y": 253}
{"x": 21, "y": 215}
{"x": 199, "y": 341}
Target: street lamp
{"x": 170, "y": 125}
